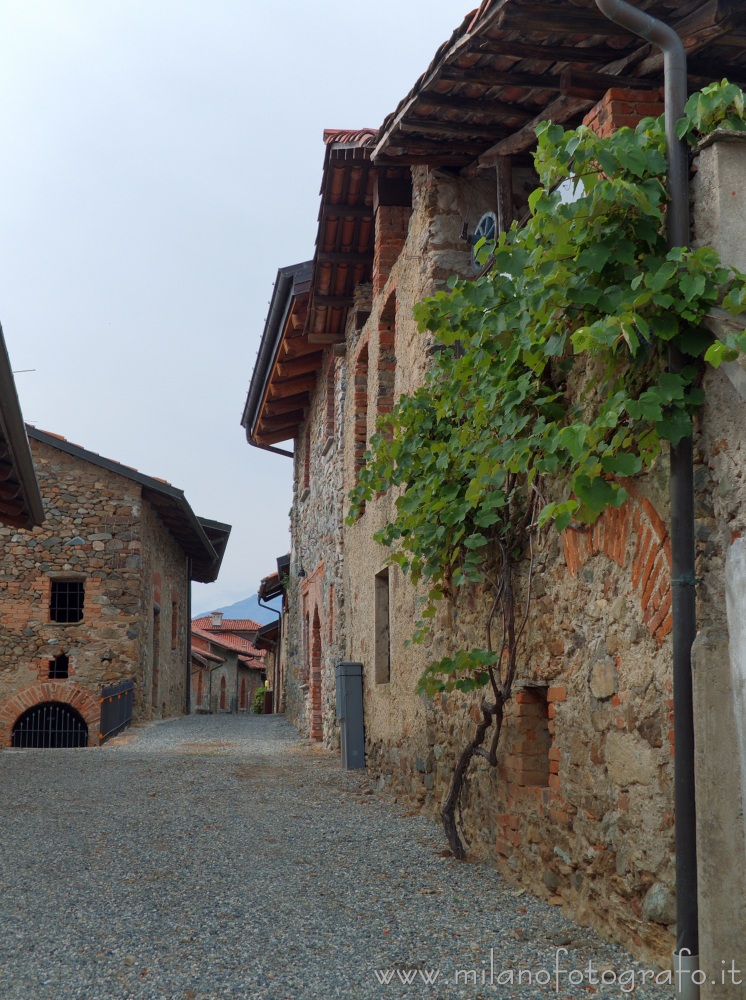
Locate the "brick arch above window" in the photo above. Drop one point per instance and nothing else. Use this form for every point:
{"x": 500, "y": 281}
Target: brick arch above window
{"x": 633, "y": 536}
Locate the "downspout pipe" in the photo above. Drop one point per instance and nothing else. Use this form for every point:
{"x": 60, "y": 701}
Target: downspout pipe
{"x": 188, "y": 701}
{"x": 275, "y": 688}
{"x": 682, "y": 509}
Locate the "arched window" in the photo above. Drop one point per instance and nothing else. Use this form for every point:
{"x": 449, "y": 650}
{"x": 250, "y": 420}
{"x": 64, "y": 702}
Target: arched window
{"x": 51, "y": 724}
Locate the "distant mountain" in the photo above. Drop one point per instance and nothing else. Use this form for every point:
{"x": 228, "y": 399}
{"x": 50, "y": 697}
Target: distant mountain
{"x": 248, "y": 608}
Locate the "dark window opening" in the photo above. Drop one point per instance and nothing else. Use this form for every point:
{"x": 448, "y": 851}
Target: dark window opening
{"x": 382, "y": 629}
{"x": 66, "y": 604}
{"x": 51, "y": 724}
{"x": 59, "y": 667}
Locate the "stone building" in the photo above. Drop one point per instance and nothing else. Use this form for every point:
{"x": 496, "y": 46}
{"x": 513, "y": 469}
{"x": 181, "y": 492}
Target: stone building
{"x": 581, "y": 809}
{"x": 100, "y": 593}
{"x": 227, "y": 668}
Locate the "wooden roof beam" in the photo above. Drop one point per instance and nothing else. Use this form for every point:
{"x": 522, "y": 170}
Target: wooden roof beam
{"x": 299, "y": 366}
{"x": 275, "y": 436}
{"x": 593, "y": 86}
{"x": 343, "y": 257}
{"x": 346, "y": 211}
{"x": 539, "y": 17}
{"x": 426, "y": 126}
{"x": 560, "y": 110}
{"x": 292, "y": 387}
{"x": 333, "y": 301}
{"x": 477, "y": 105}
{"x": 297, "y": 347}
{"x": 486, "y": 76}
{"x": 326, "y": 339}
{"x": 278, "y": 407}
{"x": 545, "y": 52}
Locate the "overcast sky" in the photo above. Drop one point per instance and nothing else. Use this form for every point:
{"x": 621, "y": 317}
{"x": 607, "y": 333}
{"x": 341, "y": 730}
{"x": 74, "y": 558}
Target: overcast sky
{"x": 160, "y": 160}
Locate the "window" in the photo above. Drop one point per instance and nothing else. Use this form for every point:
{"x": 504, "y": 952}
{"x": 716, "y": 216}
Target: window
{"x": 66, "y": 605}
{"x": 530, "y": 751}
{"x": 174, "y": 625}
{"x": 331, "y": 401}
{"x": 386, "y": 356}
{"x": 361, "y": 408}
{"x": 382, "y": 629}
{"x": 59, "y": 667}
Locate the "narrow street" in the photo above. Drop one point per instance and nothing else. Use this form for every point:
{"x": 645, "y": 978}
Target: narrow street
{"x": 221, "y": 856}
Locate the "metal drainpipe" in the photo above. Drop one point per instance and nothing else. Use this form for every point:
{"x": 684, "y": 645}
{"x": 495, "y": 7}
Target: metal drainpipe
{"x": 188, "y": 705}
{"x": 275, "y": 694}
{"x": 686, "y": 956}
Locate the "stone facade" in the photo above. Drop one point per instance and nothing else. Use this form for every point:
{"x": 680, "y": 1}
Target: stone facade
{"x": 314, "y": 632}
{"x": 581, "y": 807}
{"x": 102, "y": 536}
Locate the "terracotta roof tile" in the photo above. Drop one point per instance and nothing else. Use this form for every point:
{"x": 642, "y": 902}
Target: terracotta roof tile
{"x": 227, "y": 639}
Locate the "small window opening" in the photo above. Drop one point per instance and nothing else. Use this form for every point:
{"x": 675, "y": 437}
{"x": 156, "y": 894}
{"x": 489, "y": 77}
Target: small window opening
{"x": 59, "y": 667}
{"x": 174, "y": 625}
{"x": 530, "y": 752}
{"x": 382, "y": 629}
{"x": 66, "y": 604}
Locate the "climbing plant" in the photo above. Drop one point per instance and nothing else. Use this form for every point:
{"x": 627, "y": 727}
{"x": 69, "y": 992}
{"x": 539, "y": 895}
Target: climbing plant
{"x": 548, "y": 386}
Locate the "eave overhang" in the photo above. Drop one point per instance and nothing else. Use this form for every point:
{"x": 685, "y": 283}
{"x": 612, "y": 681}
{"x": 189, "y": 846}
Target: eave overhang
{"x": 286, "y": 366}
{"x": 20, "y": 499}
{"x": 514, "y": 63}
{"x": 344, "y": 243}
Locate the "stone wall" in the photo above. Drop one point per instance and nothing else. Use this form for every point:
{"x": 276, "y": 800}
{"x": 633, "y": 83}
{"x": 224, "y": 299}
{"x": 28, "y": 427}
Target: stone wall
{"x": 314, "y": 627}
{"x": 96, "y": 529}
{"x": 580, "y": 809}
{"x": 163, "y": 637}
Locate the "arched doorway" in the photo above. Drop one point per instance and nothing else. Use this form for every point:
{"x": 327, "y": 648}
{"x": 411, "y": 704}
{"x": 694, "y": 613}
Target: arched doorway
{"x": 52, "y": 724}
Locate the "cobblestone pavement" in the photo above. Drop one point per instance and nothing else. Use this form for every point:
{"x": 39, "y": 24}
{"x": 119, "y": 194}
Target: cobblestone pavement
{"x": 221, "y": 856}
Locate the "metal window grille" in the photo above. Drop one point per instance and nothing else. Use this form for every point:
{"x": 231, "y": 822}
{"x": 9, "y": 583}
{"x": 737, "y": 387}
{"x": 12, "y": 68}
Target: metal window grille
{"x": 51, "y": 724}
{"x": 59, "y": 667}
{"x": 67, "y": 601}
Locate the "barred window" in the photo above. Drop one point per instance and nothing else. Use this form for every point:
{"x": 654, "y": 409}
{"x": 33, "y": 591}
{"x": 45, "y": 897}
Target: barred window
{"x": 66, "y": 605}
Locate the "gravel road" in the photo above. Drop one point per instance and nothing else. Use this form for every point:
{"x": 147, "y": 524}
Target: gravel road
{"x": 221, "y": 856}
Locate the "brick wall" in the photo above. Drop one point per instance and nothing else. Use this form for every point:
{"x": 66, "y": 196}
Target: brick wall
{"x": 97, "y": 527}
{"x": 621, "y": 106}
{"x": 392, "y": 223}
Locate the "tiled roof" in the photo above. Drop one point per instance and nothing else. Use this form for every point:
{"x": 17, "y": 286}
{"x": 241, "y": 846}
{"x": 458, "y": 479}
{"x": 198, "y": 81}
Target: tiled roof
{"x": 202, "y": 657}
{"x": 231, "y": 624}
{"x": 514, "y": 63}
{"x": 310, "y": 301}
{"x": 360, "y": 137}
{"x": 251, "y": 662}
{"x": 227, "y": 639}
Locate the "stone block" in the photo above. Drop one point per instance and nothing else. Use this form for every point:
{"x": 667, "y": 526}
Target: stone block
{"x": 603, "y": 679}
{"x": 630, "y": 760}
